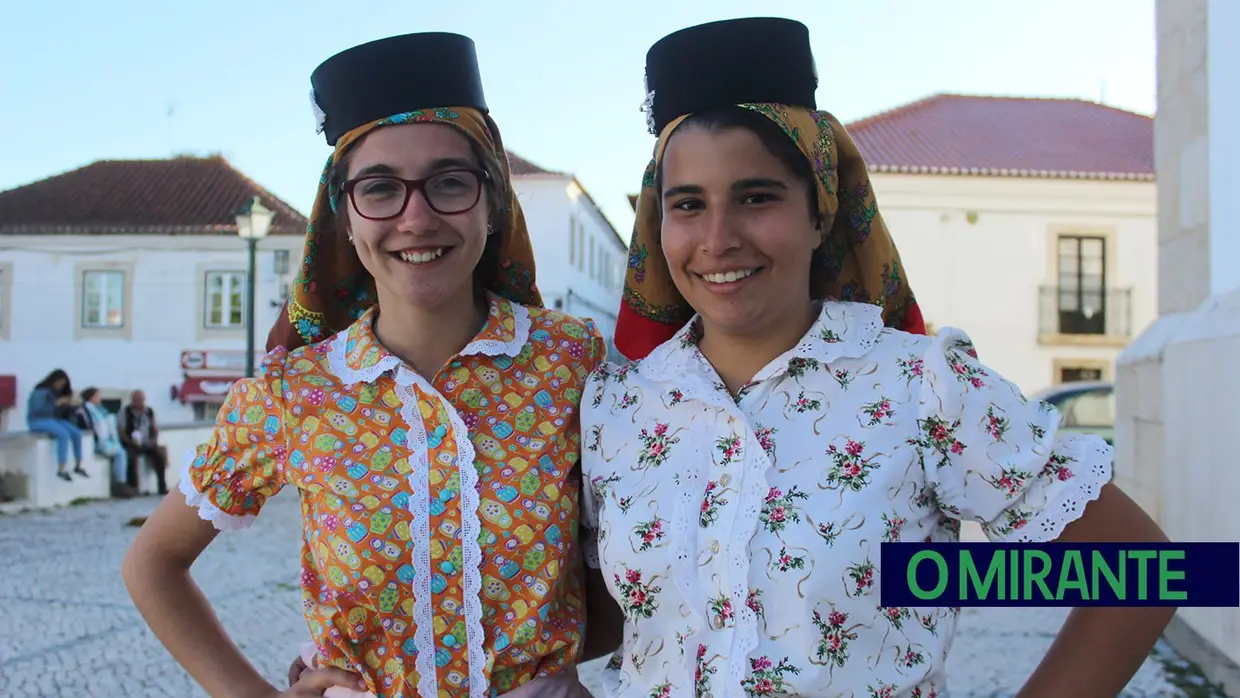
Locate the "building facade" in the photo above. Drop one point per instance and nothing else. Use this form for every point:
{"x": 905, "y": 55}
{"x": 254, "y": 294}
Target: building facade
{"x": 1029, "y": 223}
{"x": 130, "y": 275}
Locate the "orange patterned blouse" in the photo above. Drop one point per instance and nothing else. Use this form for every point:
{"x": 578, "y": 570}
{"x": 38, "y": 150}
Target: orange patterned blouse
{"x": 440, "y": 517}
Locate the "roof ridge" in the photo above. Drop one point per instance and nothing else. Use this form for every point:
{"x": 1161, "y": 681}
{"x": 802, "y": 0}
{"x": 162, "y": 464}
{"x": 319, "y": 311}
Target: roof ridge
{"x": 181, "y": 193}
{"x": 1008, "y": 135}
{"x": 937, "y": 97}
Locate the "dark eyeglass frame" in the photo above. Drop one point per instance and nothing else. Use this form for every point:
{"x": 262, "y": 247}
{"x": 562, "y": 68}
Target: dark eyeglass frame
{"x": 413, "y": 186}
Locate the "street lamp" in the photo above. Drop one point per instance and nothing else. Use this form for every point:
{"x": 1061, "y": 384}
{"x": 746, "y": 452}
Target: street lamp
{"x": 253, "y": 222}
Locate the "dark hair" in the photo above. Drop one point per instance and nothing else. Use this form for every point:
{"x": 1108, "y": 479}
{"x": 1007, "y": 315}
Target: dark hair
{"x": 89, "y": 393}
{"x": 773, "y": 138}
{"x": 57, "y": 374}
{"x": 497, "y": 190}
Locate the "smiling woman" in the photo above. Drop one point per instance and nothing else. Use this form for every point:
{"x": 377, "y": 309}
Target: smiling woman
{"x": 421, "y": 403}
{"x": 786, "y": 415}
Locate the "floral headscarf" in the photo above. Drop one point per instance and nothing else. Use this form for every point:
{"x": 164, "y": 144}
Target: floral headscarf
{"x": 333, "y": 289}
{"x": 858, "y": 260}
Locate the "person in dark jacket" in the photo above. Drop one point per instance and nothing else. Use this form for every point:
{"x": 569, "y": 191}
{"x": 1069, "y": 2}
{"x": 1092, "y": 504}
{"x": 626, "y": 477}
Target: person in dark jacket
{"x": 140, "y": 437}
{"x": 47, "y": 412}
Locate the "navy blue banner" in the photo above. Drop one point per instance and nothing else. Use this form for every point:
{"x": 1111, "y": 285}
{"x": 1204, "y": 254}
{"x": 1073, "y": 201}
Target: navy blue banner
{"x": 1061, "y": 574}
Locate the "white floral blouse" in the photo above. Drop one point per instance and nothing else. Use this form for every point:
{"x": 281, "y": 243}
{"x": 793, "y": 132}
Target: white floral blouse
{"x": 741, "y": 535}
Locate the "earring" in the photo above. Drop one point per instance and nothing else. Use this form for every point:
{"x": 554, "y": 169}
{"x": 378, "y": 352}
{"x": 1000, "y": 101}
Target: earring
{"x": 490, "y": 229}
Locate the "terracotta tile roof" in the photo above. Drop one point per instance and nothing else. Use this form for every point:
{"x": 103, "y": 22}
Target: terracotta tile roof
{"x": 1008, "y": 137}
{"x": 184, "y": 195}
{"x": 520, "y": 167}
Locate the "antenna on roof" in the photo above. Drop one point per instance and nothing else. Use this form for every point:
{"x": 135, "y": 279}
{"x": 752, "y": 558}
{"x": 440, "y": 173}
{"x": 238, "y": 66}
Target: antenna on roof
{"x": 1102, "y": 91}
{"x": 172, "y": 150}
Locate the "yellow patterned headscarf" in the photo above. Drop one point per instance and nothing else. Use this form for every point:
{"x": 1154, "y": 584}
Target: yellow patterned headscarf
{"x": 333, "y": 288}
{"x": 858, "y": 260}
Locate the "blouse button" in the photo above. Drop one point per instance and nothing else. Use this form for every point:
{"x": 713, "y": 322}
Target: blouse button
{"x": 725, "y": 479}
{"x": 714, "y": 547}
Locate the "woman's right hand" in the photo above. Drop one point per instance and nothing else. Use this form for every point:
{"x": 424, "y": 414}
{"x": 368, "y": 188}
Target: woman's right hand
{"x": 313, "y": 683}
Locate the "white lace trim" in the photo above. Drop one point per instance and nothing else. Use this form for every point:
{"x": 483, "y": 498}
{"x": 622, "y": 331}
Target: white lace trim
{"x": 471, "y": 527}
{"x": 513, "y": 347}
{"x": 207, "y": 511}
{"x": 420, "y": 532}
{"x": 856, "y": 325}
{"x": 753, "y": 491}
{"x": 419, "y": 483}
{"x": 1092, "y": 467}
{"x": 338, "y": 363}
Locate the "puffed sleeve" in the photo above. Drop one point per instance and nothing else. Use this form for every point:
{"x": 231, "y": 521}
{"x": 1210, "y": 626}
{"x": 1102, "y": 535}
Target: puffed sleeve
{"x": 231, "y": 476}
{"x": 992, "y": 456}
{"x": 597, "y": 346}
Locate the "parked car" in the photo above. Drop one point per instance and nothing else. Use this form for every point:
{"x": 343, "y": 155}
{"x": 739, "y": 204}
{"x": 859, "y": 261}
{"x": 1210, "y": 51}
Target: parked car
{"x": 1088, "y": 407}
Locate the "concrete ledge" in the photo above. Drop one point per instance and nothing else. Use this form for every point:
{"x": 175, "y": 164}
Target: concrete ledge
{"x": 1216, "y": 666}
{"x": 28, "y": 468}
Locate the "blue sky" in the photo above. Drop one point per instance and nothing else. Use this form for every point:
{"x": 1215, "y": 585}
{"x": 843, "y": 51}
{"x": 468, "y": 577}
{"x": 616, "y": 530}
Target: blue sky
{"x": 81, "y": 81}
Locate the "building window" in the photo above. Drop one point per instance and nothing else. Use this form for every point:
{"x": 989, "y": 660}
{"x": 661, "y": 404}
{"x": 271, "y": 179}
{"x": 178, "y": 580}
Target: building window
{"x": 1082, "y": 285}
{"x": 572, "y": 240}
{"x": 4, "y": 278}
{"x": 1079, "y": 374}
{"x": 103, "y": 299}
{"x": 207, "y": 411}
{"x": 224, "y": 300}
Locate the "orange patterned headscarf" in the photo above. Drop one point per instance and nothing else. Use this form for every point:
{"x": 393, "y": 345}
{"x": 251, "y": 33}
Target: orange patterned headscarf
{"x": 857, "y": 261}
{"x": 333, "y": 288}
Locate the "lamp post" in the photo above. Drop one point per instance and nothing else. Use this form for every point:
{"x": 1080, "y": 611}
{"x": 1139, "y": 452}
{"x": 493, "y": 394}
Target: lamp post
{"x": 253, "y": 222}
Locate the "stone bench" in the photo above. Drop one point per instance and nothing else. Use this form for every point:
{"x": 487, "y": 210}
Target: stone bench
{"x": 28, "y": 467}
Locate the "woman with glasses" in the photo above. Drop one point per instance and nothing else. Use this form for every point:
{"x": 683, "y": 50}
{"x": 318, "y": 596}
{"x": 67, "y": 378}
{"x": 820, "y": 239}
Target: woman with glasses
{"x": 421, "y": 403}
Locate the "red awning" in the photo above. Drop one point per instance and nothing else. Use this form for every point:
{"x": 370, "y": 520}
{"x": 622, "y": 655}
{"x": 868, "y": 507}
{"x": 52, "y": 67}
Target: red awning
{"x": 8, "y": 392}
{"x": 212, "y": 389}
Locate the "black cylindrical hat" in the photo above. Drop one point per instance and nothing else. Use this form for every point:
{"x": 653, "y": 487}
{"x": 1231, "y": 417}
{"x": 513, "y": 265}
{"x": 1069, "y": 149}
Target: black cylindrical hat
{"x": 395, "y": 75}
{"x": 736, "y": 61}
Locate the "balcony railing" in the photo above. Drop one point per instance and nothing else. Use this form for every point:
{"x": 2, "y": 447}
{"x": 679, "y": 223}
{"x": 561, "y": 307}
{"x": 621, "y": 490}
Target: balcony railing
{"x": 1077, "y": 312}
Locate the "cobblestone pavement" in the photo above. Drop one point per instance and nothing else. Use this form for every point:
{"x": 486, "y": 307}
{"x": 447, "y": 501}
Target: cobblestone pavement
{"x": 68, "y": 628}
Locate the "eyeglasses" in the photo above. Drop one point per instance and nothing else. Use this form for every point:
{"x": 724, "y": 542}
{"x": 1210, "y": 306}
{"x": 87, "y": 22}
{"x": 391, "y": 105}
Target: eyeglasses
{"x": 381, "y": 197}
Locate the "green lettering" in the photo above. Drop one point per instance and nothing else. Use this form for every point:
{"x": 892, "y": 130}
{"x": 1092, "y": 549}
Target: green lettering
{"x": 1143, "y": 558}
{"x": 1166, "y": 575}
{"x": 912, "y": 574}
{"x": 1098, "y": 563}
{"x": 1032, "y": 577}
{"x": 969, "y": 577}
{"x": 1013, "y": 575}
{"x": 1074, "y": 565}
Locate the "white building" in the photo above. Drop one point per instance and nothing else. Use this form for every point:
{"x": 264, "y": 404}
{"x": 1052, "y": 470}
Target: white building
{"x": 1029, "y": 223}
{"x": 580, "y": 257}
{"x": 1178, "y": 383}
{"x": 130, "y": 275}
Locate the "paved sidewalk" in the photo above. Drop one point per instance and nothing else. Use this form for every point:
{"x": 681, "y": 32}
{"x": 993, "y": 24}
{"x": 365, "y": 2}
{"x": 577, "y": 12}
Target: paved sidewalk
{"x": 68, "y": 628}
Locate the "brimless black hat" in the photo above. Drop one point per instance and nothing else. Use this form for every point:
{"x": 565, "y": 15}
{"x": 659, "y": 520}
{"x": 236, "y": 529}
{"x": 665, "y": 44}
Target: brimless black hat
{"x": 737, "y": 61}
{"x": 392, "y": 76}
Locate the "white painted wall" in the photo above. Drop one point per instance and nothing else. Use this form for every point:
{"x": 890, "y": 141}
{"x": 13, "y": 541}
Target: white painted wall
{"x": 1178, "y": 384}
{"x": 165, "y": 274}
{"x": 165, "y": 316}
{"x": 563, "y": 224}
{"x": 984, "y": 276}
